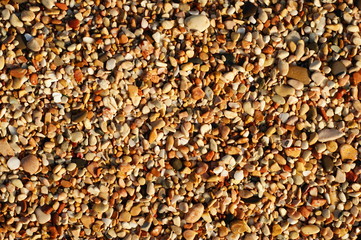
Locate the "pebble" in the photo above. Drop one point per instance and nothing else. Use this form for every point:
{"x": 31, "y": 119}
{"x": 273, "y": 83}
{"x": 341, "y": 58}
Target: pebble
{"x": 5, "y": 148}
{"x": 276, "y": 230}
{"x": 348, "y": 152}
{"x": 35, "y": 44}
{"x": 194, "y": 213}
{"x": 76, "y": 137}
{"x": 13, "y": 163}
{"x": 338, "y": 68}
{"x": 340, "y": 176}
{"x": 249, "y": 9}
{"x": 198, "y": 23}
{"x": 327, "y": 163}
{"x": 30, "y": 164}
{"x": 41, "y": 216}
{"x": 100, "y": 207}
{"x": 189, "y": 234}
{"x": 310, "y": 229}
{"x": 197, "y": 93}
{"x": 326, "y": 135}
{"x": 296, "y": 84}
{"x": 15, "y": 21}
{"x": 283, "y": 67}
{"x": 284, "y": 90}
{"x": 299, "y": 73}
{"x": 318, "y": 78}
{"x": 27, "y": 16}
{"x": 110, "y": 65}
{"x": 240, "y": 226}
{"x": 49, "y": 4}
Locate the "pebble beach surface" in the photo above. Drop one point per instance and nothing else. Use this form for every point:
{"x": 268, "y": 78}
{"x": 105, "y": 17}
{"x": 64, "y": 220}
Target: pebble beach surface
{"x": 208, "y": 119}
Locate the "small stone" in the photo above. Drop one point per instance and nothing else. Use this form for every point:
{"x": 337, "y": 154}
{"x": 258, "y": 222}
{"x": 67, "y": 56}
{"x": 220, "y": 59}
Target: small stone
{"x": 194, "y": 213}
{"x": 13, "y": 163}
{"x": 76, "y": 137}
{"x": 223, "y": 231}
{"x": 5, "y": 148}
{"x": 123, "y": 39}
{"x": 284, "y": 90}
{"x": 79, "y": 116}
{"x": 245, "y": 194}
{"x": 100, "y": 207}
{"x": 197, "y": 93}
{"x": 18, "y": 72}
{"x": 30, "y": 164}
{"x": 15, "y": 21}
{"x": 278, "y": 99}
{"x": 49, "y": 4}
{"x": 198, "y": 23}
{"x": 348, "y": 152}
{"x": 295, "y": 84}
{"x": 74, "y": 23}
{"x": 177, "y": 164}
{"x": 283, "y": 67}
{"x": 310, "y": 229}
{"x": 41, "y": 216}
{"x": 326, "y": 135}
{"x": 249, "y": 9}
{"x": 189, "y": 234}
{"x": 110, "y": 65}
{"x": 168, "y": 24}
{"x": 125, "y": 216}
{"x": 293, "y": 152}
{"x": 2, "y": 62}
{"x": 338, "y": 68}
{"x": 276, "y": 230}
{"x": 318, "y": 78}
{"x": 35, "y": 44}
{"x": 299, "y": 73}
{"x": 87, "y": 221}
{"x": 239, "y": 227}
{"x": 27, "y": 16}
{"x": 332, "y": 146}
{"x": 340, "y": 176}
{"x": 293, "y": 36}
{"x": 327, "y": 163}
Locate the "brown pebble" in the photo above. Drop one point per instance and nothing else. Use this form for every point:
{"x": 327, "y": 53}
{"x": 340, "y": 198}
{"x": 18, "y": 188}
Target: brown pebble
{"x": 197, "y": 93}
{"x": 30, "y": 164}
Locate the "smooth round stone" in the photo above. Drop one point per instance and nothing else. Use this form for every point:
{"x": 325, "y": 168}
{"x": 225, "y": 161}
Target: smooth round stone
{"x": 293, "y": 36}
{"x": 283, "y": 67}
{"x": 326, "y": 135}
{"x": 338, "y": 68}
{"x": 296, "y": 84}
{"x": 194, "y": 213}
{"x": 278, "y": 99}
{"x": 310, "y": 229}
{"x": 27, "y": 16}
{"x": 340, "y": 176}
{"x": 110, "y": 65}
{"x": 49, "y": 4}
{"x": 189, "y": 234}
{"x": 13, "y": 163}
{"x": 239, "y": 227}
{"x": 299, "y": 73}
{"x": 41, "y": 216}
{"x": 348, "y": 152}
{"x": 249, "y": 9}
{"x": 35, "y": 44}
{"x": 100, "y": 208}
{"x": 318, "y": 78}
{"x": 177, "y": 164}
{"x": 30, "y": 164}
{"x": 198, "y": 23}
{"x": 76, "y": 137}
{"x": 327, "y": 163}
{"x": 15, "y": 21}
{"x": 284, "y": 90}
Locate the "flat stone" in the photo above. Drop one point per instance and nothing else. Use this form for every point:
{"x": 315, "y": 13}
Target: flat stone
{"x": 87, "y": 221}
{"x": 76, "y": 137}
{"x": 338, "y": 68}
{"x": 79, "y": 115}
{"x": 327, "y": 163}
{"x": 189, "y": 234}
{"x": 293, "y": 36}
{"x": 276, "y": 230}
{"x": 41, "y": 216}
{"x": 5, "y": 148}
{"x": 124, "y": 216}
{"x": 340, "y": 176}
{"x": 318, "y": 78}
{"x": 194, "y": 213}
{"x": 249, "y": 9}
{"x": 35, "y": 44}
{"x": 100, "y": 207}
{"x": 15, "y": 21}
{"x": 198, "y": 23}
{"x": 283, "y": 67}
{"x": 49, "y": 4}
{"x": 197, "y": 93}
{"x": 13, "y": 163}
{"x": 326, "y": 135}
{"x": 110, "y": 65}
{"x": 30, "y": 164}
{"x": 240, "y": 226}
{"x": 348, "y": 152}
{"x": 18, "y": 72}
{"x": 296, "y": 84}
{"x": 284, "y": 90}
{"x": 310, "y": 229}
{"x": 27, "y": 16}
{"x": 299, "y": 73}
